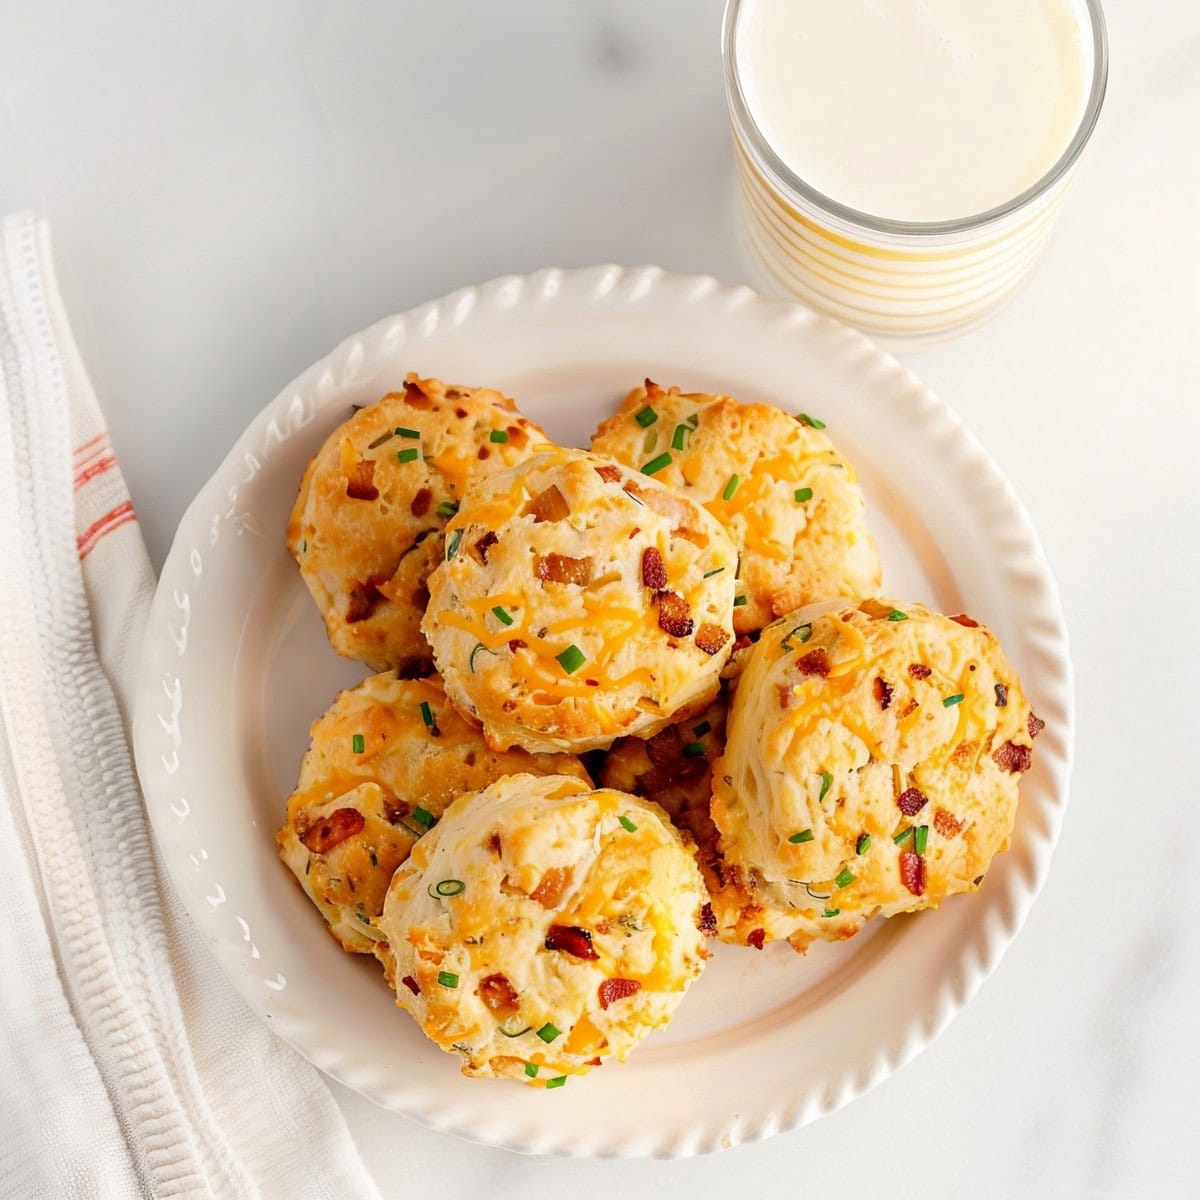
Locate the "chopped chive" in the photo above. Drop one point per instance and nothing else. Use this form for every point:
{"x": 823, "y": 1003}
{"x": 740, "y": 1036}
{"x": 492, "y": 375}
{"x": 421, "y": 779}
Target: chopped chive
{"x": 921, "y": 838}
{"x": 900, "y": 837}
{"x": 656, "y": 464}
{"x": 951, "y": 701}
{"x": 730, "y": 487}
{"x": 447, "y": 508}
{"x": 514, "y": 1033}
{"x": 423, "y": 817}
{"x": 498, "y": 435}
{"x": 1001, "y": 696}
{"x": 453, "y": 544}
{"x": 694, "y": 420}
{"x": 803, "y": 632}
{"x": 714, "y": 571}
{"x": 499, "y": 613}
{"x": 557, "y": 1081}
{"x": 831, "y": 912}
{"x": 701, "y": 729}
{"x": 807, "y": 420}
{"x": 738, "y": 601}
{"x": 863, "y": 844}
{"x": 475, "y": 654}
{"x": 826, "y": 784}
{"x": 383, "y": 437}
{"x": 845, "y": 878}
{"x": 450, "y": 887}
{"x": 645, "y": 417}
{"x": 627, "y": 824}
{"x": 571, "y": 659}
{"x": 805, "y": 835}
{"x": 448, "y": 979}
{"x": 897, "y": 615}
{"x": 358, "y": 743}
{"x": 802, "y": 494}
{"x": 426, "y": 714}
{"x": 694, "y": 749}
{"x": 678, "y": 442}
{"x": 549, "y": 1032}
{"x": 407, "y": 456}
{"x": 531, "y": 1069}
{"x": 400, "y": 431}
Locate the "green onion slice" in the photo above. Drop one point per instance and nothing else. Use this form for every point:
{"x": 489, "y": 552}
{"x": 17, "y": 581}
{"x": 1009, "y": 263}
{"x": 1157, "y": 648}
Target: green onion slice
{"x": 826, "y": 784}
{"x": 498, "y": 435}
{"x": 549, "y": 1032}
{"x": 803, "y": 632}
{"x": 863, "y": 844}
{"x": 714, "y": 571}
{"x": 694, "y": 749}
{"x": 447, "y": 508}
{"x": 448, "y": 887}
{"x": 739, "y": 601}
{"x": 812, "y": 421}
{"x": 845, "y": 877}
{"x": 557, "y": 1081}
{"x": 731, "y": 487}
{"x": 475, "y": 653}
{"x": 951, "y": 701}
{"x": 678, "y": 441}
{"x": 358, "y": 743}
{"x": 426, "y": 714}
{"x": 897, "y": 615}
{"x": 656, "y": 464}
{"x": 701, "y": 729}
{"x": 694, "y": 420}
{"x": 423, "y": 817}
{"x": 407, "y": 456}
{"x": 627, "y": 824}
{"x": 448, "y": 979}
{"x": 831, "y": 912}
{"x": 453, "y": 544}
{"x": 383, "y": 437}
{"x": 902, "y": 835}
{"x": 645, "y": 417}
{"x": 512, "y": 1033}
{"x": 400, "y": 431}
{"x": 802, "y": 494}
{"x": 805, "y": 835}
{"x": 501, "y": 615}
{"x": 531, "y": 1069}
{"x": 921, "y": 838}
{"x": 571, "y": 659}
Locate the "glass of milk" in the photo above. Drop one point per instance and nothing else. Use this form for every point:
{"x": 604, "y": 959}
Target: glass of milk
{"x": 902, "y": 162}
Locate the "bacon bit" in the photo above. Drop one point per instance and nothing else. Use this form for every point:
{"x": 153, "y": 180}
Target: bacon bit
{"x": 1035, "y": 725}
{"x": 595, "y": 1062}
{"x": 784, "y": 693}
{"x": 552, "y": 886}
{"x": 484, "y": 544}
{"x": 710, "y": 638}
{"x": 707, "y": 924}
{"x": 966, "y": 621}
{"x": 654, "y": 570}
{"x": 420, "y": 502}
{"x": 498, "y": 995}
{"x": 364, "y": 599}
{"x": 460, "y": 413}
{"x": 912, "y": 872}
{"x": 946, "y": 823}
{"x": 815, "y": 662}
{"x": 482, "y": 453}
{"x": 516, "y": 435}
{"x": 333, "y": 830}
{"x": 756, "y": 937}
{"x": 674, "y": 615}
{"x": 410, "y": 983}
{"x": 964, "y": 753}
{"x": 743, "y": 641}
{"x": 911, "y": 801}
{"x": 414, "y": 396}
{"x": 360, "y": 482}
{"x": 609, "y": 473}
{"x": 515, "y": 644}
{"x": 549, "y": 505}
{"x": 919, "y": 670}
{"x": 883, "y": 691}
{"x": 562, "y": 568}
{"x": 908, "y": 710}
{"x": 665, "y": 748}
{"x": 1013, "y": 758}
{"x": 612, "y": 990}
{"x": 570, "y": 939}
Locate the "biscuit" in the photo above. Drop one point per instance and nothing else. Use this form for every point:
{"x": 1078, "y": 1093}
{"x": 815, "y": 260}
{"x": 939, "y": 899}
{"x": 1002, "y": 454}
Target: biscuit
{"x": 787, "y": 496}
{"x": 366, "y": 527}
{"x": 542, "y": 928}
{"x": 384, "y": 762}
{"x": 873, "y": 758}
{"x": 579, "y": 601}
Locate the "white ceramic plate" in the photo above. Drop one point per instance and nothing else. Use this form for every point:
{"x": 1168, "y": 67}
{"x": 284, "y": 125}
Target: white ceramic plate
{"x": 237, "y": 666}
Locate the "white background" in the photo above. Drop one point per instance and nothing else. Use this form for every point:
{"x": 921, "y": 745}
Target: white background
{"x": 234, "y": 187}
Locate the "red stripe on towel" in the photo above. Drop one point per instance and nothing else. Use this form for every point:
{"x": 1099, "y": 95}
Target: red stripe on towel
{"x": 86, "y": 542}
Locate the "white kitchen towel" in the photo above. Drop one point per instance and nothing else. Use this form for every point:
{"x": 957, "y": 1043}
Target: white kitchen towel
{"x": 128, "y": 1065}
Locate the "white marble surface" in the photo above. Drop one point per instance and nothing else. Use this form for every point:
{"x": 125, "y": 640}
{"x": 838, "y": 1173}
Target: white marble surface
{"x": 220, "y": 179}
